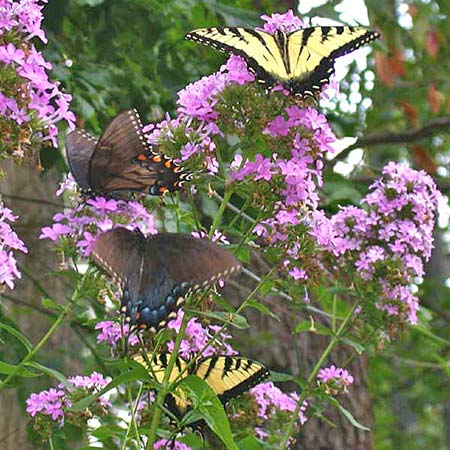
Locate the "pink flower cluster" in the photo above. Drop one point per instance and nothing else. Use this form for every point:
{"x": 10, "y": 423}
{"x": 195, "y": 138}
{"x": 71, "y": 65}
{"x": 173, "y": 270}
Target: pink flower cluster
{"x": 53, "y": 402}
{"x": 389, "y": 241}
{"x": 271, "y": 400}
{"x": 9, "y": 241}
{"x": 335, "y": 379}
{"x": 85, "y": 221}
{"x": 197, "y": 336}
{"x": 166, "y": 444}
{"x": 112, "y": 332}
{"x": 31, "y": 94}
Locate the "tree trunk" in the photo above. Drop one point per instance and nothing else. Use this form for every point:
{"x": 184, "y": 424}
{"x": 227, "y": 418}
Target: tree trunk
{"x": 23, "y": 188}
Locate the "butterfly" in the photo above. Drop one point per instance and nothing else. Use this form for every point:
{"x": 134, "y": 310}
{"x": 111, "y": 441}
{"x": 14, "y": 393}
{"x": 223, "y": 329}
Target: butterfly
{"x": 121, "y": 160}
{"x": 228, "y": 376}
{"x": 156, "y": 273}
{"x": 302, "y": 61}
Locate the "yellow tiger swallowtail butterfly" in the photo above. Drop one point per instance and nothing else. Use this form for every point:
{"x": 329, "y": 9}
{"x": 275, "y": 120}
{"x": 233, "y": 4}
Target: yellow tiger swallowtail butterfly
{"x": 228, "y": 376}
{"x": 302, "y": 61}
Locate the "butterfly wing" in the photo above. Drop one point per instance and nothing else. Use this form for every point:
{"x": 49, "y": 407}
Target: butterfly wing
{"x": 302, "y": 61}
{"x": 156, "y": 273}
{"x": 119, "y": 252}
{"x": 79, "y": 148}
{"x": 230, "y": 376}
{"x": 177, "y": 402}
{"x": 174, "y": 265}
{"x": 123, "y": 160}
{"x": 312, "y": 52}
{"x": 259, "y": 49}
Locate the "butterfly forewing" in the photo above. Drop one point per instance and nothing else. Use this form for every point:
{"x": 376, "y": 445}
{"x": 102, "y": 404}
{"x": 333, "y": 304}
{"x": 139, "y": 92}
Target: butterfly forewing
{"x": 79, "y": 148}
{"x": 312, "y": 47}
{"x": 112, "y": 166}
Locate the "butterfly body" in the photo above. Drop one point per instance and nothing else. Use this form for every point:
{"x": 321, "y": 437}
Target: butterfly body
{"x": 302, "y": 61}
{"x": 156, "y": 273}
{"x": 121, "y": 160}
{"x": 228, "y": 376}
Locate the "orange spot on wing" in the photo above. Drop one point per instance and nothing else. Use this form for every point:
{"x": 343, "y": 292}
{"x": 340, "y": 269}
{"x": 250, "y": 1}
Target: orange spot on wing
{"x": 157, "y": 158}
{"x": 163, "y": 190}
{"x": 142, "y": 157}
{"x": 168, "y": 164}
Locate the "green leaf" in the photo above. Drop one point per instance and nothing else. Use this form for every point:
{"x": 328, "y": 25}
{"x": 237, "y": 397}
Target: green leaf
{"x": 89, "y": 2}
{"x": 211, "y": 409}
{"x": 356, "y": 345}
{"x": 262, "y": 308}
{"x": 266, "y": 287}
{"x": 18, "y": 335}
{"x": 279, "y": 377}
{"x": 250, "y": 443}
{"x": 52, "y": 372}
{"x": 50, "y": 304}
{"x": 233, "y": 319}
{"x": 6, "y": 369}
{"x": 312, "y": 327}
{"x": 348, "y": 415}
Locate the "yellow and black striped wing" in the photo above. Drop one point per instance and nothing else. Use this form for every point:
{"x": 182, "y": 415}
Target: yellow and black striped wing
{"x": 230, "y": 376}
{"x": 260, "y": 50}
{"x": 311, "y": 53}
{"x": 159, "y": 363}
{"x": 301, "y": 61}
{"x": 177, "y": 402}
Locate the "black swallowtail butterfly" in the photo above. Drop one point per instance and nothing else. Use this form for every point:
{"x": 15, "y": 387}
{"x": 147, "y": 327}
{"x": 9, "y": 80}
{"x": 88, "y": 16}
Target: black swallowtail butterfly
{"x": 157, "y": 272}
{"x": 121, "y": 160}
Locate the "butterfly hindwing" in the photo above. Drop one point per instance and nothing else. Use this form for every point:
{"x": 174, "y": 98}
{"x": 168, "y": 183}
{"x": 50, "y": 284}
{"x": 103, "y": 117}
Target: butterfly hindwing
{"x": 230, "y": 376}
{"x": 157, "y": 272}
{"x": 302, "y": 61}
{"x": 119, "y": 253}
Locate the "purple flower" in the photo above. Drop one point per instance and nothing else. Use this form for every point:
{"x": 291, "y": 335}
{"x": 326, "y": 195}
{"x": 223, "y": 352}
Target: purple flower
{"x": 388, "y": 242}
{"x": 9, "y": 54}
{"x": 195, "y": 339}
{"x": 166, "y": 444}
{"x": 286, "y": 22}
{"x": 55, "y": 231}
{"x": 50, "y": 403}
{"x": 271, "y": 399}
{"x": 9, "y": 241}
{"x": 103, "y": 205}
{"x": 112, "y": 332}
{"x": 335, "y": 379}
{"x": 237, "y": 70}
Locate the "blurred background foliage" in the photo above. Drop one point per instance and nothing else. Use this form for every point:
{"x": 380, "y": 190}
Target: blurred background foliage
{"x": 114, "y": 54}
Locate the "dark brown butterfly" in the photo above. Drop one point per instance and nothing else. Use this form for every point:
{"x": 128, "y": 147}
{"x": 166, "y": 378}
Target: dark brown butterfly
{"x": 121, "y": 160}
{"x": 157, "y": 272}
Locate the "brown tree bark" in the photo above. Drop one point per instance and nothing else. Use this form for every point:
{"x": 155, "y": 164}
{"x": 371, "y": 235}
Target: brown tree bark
{"x": 23, "y": 190}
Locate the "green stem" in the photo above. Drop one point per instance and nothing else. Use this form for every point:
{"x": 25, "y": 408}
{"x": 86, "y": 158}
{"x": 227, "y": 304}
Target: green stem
{"x": 52, "y": 329}
{"x": 218, "y": 216}
{"x": 165, "y": 388}
{"x": 132, "y": 424}
{"x": 312, "y": 376}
